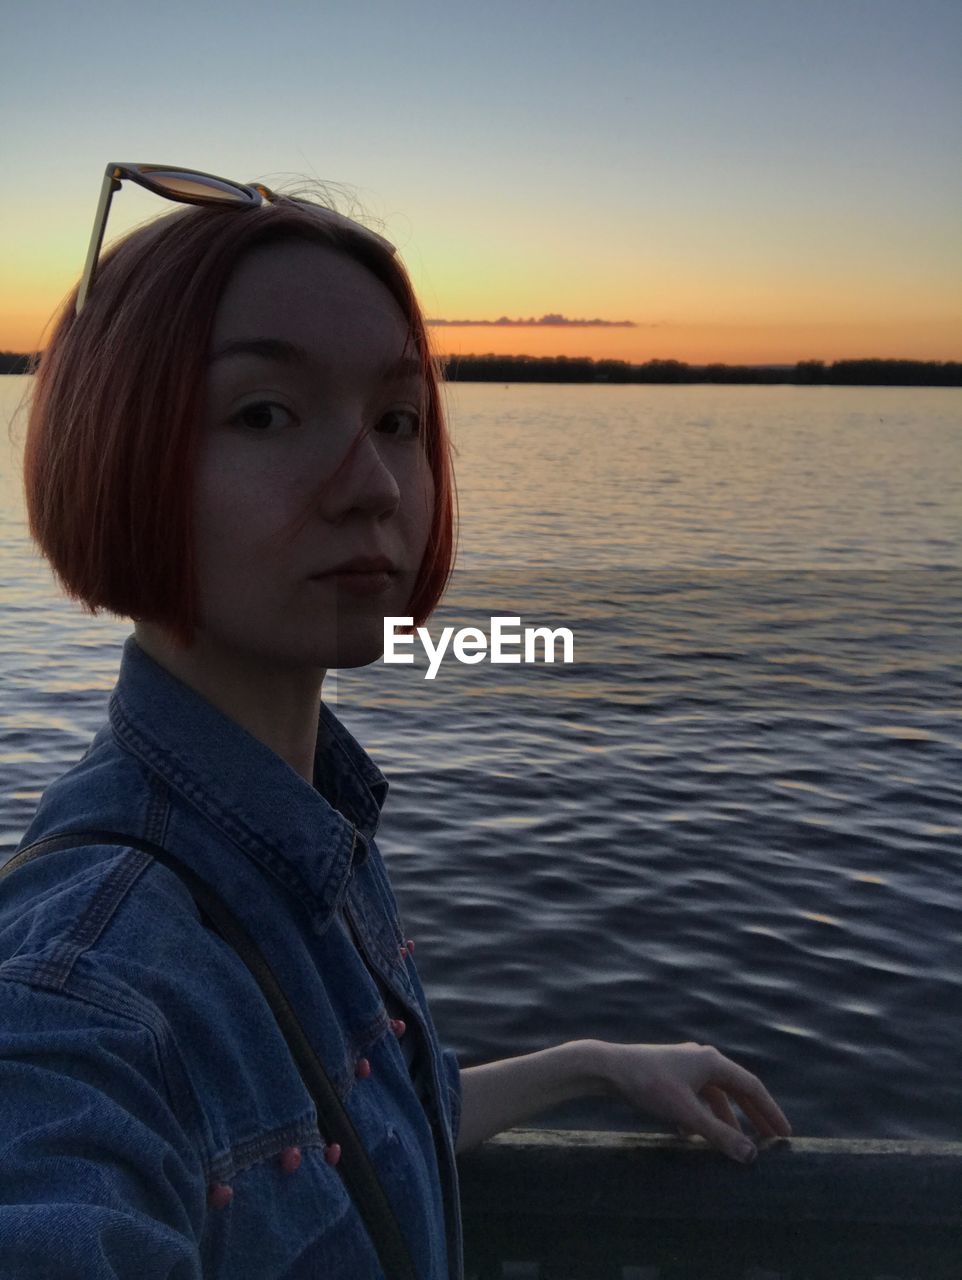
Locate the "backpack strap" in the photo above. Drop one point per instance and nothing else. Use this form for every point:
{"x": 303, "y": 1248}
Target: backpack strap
{"x": 355, "y": 1167}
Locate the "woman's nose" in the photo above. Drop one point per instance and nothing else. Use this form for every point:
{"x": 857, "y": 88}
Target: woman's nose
{"x": 362, "y": 482}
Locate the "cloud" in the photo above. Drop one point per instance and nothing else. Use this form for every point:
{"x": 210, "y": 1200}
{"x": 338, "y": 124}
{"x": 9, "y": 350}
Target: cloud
{"x": 551, "y": 321}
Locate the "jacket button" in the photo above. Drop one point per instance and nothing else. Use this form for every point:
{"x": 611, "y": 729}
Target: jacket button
{"x": 362, "y": 1068}
{"x": 219, "y": 1195}
{"x": 333, "y": 1153}
{"x": 291, "y": 1159}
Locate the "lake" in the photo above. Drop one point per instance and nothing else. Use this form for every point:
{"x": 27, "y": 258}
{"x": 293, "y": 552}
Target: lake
{"x": 736, "y": 816}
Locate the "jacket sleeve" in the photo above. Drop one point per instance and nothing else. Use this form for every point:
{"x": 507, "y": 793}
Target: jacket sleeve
{"x": 97, "y": 1177}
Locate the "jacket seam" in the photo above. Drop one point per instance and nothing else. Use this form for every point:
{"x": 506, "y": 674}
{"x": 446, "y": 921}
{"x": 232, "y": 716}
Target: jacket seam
{"x": 252, "y": 845}
{"x": 99, "y": 913}
{"x": 372, "y": 816}
{"x": 159, "y": 760}
{"x": 103, "y": 998}
{"x": 245, "y": 1155}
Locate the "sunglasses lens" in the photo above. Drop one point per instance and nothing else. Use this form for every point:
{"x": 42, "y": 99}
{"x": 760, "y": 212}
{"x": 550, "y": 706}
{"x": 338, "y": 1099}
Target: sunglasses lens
{"x": 194, "y": 185}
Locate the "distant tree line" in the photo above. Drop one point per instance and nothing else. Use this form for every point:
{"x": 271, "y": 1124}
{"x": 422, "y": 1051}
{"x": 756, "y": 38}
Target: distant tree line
{"x": 10, "y": 362}
{"x": 492, "y": 368}
{"x": 903, "y": 373}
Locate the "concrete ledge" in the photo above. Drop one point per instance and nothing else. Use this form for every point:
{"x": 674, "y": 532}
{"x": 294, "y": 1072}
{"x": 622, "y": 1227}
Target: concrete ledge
{"x": 582, "y": 1203}
{"x": 625, "y": 1175}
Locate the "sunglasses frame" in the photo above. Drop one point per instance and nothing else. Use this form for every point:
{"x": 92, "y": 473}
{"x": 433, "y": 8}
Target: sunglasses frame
{"x": 249, "y": 196}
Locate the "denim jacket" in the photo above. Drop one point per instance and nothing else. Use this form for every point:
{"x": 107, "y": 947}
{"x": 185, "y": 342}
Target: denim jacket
{"x": 152, "y": 1121}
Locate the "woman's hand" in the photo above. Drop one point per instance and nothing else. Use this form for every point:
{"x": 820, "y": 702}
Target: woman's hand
{"x": 692, "y": 1086}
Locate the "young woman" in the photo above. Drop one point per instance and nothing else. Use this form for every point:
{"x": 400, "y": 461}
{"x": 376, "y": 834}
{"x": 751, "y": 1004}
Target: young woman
{"x": 236, "y": 440}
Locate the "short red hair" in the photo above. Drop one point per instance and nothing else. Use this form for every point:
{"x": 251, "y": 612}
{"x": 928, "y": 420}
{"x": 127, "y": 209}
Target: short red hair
{"x": 114, "y": 424}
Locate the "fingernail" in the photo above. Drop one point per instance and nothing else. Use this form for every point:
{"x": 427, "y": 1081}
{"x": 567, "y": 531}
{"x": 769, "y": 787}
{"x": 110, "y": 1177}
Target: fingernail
{"x": 746, "y": 1152}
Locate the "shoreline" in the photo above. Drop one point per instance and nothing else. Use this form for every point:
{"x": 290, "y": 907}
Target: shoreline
{"x": 869, "y": 372}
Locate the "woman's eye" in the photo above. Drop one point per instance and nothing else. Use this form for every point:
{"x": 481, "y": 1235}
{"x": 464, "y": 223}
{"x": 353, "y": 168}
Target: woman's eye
{"x": 400, "y": 422}
{"x": 260, "y": 416}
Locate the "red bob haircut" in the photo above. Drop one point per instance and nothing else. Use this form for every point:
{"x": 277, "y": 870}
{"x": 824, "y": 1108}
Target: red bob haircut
{"x": 115, "y": 419}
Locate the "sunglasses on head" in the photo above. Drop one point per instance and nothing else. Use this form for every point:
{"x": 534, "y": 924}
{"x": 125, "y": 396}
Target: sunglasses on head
{"x": 188, "y": 186}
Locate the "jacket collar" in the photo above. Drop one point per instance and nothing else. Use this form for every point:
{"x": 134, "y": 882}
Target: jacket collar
{"x": 305, "y": 835}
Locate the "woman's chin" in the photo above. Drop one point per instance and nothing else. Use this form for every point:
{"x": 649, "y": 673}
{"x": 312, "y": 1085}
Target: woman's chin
{"x": 355, "y": 646}
{"x": 348, "y": 658}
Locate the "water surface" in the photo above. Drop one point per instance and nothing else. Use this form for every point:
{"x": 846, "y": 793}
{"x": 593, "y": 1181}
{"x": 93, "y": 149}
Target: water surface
{"x": 736, "y": 818}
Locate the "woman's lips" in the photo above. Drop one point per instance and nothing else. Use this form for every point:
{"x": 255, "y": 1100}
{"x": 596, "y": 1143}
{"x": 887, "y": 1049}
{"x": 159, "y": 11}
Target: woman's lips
{"x": 358, "y": 582}
{"x": 361, "y": 564}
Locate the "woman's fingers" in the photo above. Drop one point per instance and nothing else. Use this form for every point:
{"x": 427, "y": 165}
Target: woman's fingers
{"x": 760, "y": 1120}
{"x": 695, "y": 1088}
{"x": 751, "y": 1095}
{"x": 718, "y": 1133}
{"x": 720, "y": 1105}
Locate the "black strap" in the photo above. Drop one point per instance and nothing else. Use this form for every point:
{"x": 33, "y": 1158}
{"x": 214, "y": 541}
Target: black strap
{"x": 355, "y": 1165}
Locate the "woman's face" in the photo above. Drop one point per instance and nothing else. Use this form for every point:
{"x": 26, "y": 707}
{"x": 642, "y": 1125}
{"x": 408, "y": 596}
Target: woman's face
{"x": 276, "y": 428}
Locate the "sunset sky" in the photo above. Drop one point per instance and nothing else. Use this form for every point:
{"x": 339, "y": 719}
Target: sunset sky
{"x": 753, "y": 181}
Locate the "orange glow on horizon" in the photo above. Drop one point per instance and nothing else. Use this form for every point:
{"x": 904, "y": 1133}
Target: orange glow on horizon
{"x": 26, "y": 325}
{"x": 710, "y": 343}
